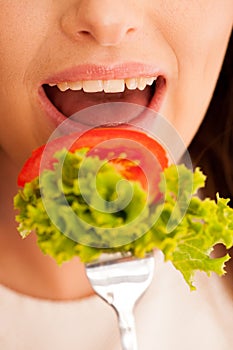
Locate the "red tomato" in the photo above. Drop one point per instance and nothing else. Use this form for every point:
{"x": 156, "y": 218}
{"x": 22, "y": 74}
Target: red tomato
{"x": 144, "y": 158}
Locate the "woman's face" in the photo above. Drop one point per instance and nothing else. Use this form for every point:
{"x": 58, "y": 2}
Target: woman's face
{"x": 85, "y": 42}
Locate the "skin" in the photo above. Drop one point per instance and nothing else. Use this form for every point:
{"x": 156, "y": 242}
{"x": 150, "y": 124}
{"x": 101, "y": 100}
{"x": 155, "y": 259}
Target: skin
{"x": 38, "y": 38}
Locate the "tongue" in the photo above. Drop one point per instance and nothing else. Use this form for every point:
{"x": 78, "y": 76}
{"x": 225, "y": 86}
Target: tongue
{"x": 71, "y": 102}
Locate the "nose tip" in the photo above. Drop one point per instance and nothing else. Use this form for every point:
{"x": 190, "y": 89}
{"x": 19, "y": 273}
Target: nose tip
{"x": 107, "y": 22}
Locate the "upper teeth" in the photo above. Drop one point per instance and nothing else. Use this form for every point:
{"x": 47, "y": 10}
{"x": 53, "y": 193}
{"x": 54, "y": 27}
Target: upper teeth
{"x": 110, "y": 86}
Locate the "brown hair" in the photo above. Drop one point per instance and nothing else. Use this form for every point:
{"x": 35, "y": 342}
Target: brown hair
{"x": 212, "y": 147}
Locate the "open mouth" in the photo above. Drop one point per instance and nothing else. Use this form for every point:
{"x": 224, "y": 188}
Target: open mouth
{"x": 68, "y": 98}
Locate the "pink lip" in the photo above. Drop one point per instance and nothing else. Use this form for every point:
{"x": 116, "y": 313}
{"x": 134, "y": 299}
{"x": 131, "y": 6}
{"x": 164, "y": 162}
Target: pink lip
{"x": 103, "y": 72}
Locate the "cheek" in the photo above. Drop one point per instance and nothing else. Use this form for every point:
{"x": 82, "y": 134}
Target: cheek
{"x": 21, "y": 34}
{"x": 23, "y": 29}
{"x": 199, "y": 42}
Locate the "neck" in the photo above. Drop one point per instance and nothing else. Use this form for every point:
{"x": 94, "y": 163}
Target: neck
{"x": 28, "y": 271}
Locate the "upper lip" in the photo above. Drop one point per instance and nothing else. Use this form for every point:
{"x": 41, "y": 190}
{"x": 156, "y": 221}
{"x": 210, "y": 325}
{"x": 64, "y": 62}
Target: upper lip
{"x": 104, "y": 72}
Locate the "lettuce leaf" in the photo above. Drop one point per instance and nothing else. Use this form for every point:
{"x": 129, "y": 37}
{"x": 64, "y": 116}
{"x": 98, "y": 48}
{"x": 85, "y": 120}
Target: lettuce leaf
{"x": 184, "y": 227}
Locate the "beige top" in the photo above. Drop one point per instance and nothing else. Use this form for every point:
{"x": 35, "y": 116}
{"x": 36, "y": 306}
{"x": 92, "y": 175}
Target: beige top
{"x": 168, "y": 316}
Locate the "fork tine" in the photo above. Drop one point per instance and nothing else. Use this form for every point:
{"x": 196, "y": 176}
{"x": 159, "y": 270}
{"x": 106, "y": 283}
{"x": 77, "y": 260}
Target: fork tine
{"x": 121, "y": 281}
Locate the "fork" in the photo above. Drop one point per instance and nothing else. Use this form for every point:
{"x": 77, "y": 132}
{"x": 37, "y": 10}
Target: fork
{"x": 120, "y": 280}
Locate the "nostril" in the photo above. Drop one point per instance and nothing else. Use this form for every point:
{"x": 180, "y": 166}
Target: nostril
{"x": 131, "y": 31}
{"x": 82, "y": 34}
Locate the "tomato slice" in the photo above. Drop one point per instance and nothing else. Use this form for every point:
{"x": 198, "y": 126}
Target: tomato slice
{"x": 144, "y": 158}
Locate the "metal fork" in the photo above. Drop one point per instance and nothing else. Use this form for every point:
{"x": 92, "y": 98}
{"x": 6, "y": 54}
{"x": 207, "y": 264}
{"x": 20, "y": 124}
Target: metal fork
{"x": 121, "y": 280}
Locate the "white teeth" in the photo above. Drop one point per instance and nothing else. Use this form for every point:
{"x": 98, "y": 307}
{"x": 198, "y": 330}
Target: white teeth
{"x": 77, "y": 85}
{"x": 117, "y": 85}
{"x": 63, "y": 86}
{"x": 131, "y": 83}
{"x": 151, "y": 80}
{"x": 142, "y": 82}
{"x": 92, "y": 85}
{"x": 108, "y": 86}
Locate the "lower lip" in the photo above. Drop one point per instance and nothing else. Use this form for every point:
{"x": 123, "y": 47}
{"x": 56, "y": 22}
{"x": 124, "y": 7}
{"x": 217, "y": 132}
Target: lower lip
{"x": 57, "y": 118}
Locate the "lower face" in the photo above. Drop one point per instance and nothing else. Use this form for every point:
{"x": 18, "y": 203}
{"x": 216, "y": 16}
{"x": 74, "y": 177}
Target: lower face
{"x": 162, "y": 54}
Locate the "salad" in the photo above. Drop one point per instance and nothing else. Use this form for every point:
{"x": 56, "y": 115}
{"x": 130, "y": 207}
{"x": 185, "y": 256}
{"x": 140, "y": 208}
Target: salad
{"x": 112, "y": 190}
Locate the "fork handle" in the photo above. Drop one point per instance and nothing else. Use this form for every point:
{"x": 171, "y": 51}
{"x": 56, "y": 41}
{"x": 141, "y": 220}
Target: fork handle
{"x": 127, "y": 330}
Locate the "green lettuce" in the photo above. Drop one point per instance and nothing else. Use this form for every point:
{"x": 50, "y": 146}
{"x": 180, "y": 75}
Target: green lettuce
{"x": 81, "y": 208}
